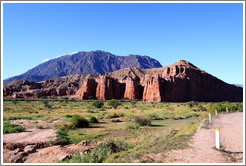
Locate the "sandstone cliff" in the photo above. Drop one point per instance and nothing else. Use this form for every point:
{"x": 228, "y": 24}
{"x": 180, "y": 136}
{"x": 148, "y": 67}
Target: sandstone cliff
{"x": 178, "y": 82}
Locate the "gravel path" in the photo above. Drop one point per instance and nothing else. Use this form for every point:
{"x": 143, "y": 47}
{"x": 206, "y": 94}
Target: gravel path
{"x": 201, "y": 145}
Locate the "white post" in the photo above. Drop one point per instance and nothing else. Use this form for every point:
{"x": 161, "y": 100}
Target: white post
{"x": 216, "y": 113}
{"x": 226, "y": 110}
{"x": 217, "y": 138}
{"x": 210, "y": 118}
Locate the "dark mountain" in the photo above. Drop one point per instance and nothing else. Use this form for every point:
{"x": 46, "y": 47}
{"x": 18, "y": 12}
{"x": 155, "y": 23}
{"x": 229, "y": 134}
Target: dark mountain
{"x": 240, "y": 85}
{"x": 93, "y": 62}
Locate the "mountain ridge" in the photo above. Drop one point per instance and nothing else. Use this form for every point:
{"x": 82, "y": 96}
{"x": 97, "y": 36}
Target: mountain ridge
{"x": 92, "y": 62}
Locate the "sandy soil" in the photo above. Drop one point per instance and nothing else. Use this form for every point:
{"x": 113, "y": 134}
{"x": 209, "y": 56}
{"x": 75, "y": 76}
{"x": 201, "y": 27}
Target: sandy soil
{"x": 201, "y": 145}
{"x": 30, "y": 135}
{"x": 28, "y": 124}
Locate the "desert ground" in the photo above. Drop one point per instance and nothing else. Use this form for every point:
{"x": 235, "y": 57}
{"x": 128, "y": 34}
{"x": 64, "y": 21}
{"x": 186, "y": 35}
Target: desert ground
{"x": 120, "y": 131}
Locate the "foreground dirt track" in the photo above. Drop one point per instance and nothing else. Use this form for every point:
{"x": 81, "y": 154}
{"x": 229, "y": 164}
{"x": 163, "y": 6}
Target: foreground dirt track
{"x": 201, "y": 146}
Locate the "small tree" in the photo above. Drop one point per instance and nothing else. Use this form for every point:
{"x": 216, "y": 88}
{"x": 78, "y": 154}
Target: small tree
{"x": 114, "y": 103}
{"x": 97, "y": 104}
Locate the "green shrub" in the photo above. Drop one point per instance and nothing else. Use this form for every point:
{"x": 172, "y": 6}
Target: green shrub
{"x": 68, "y": 116}
{"x": 12, "y": 128}
{"x": 93, "y": 119}
{"x": 142, "y": 121}
{"x": 95, "y": 156}
{"x": 97, "y": 103}
{"x": 63, "y": 138}
{"x": 105, "y": 149}
{"x": 79, "y": 122}
{"x": 67, "y": 126}
{"x": 39, "y": 127}
{"x": 114, "y": 103}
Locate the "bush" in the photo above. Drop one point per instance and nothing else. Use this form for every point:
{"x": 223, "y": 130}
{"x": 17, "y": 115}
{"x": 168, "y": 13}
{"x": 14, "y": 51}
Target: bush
{"x": 93, "y": 119}
{"x": 12, "y": 128}
{"x": 63, "y": 138}
{"x": 67, "y": 126}
{"x": 114, "y": 103}
{"x": 95, "y": 156}
{"x": 97, "y": 104}
{"x": 79, "y": 122}
{"x": 142, "y": 121}
{"x": 99, "y": 155}
{"x": 39, "y": 127}
{"x": 68, "y": 116}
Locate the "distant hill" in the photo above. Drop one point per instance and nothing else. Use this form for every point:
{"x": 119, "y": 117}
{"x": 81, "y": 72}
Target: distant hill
{"x": 93, "y": 62}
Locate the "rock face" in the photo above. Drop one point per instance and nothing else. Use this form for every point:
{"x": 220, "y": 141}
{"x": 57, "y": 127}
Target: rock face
{"x": 132, "y": 90}
{"x": 153, "y": 89}
{"x": 179, "y": 82}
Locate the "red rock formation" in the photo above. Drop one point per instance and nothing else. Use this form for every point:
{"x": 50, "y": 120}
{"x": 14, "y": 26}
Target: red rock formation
{"x": 88, "y": 89}
{"x": 152, "y": 90}
{"x": 104, "y": 88}
{"x": 132, "y": 90}
{"x": 179, "y": 82}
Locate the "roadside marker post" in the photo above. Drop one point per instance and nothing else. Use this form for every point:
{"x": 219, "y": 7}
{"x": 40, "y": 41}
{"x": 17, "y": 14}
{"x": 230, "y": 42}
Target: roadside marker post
{"x": 226, "y": 109}
{"x": 217, "y": 138}
{"x": 210, "y": 118}
{"x": 216, "y": 113}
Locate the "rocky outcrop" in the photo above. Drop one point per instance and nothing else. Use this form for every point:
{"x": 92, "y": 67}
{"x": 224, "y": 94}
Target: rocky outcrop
{"x": 132, "y": 89}
{"x": 153, "y": 89}
{"x": 179, "y": 82}
{"x": 88, "y": 89}
{"x": 107, "y": 88}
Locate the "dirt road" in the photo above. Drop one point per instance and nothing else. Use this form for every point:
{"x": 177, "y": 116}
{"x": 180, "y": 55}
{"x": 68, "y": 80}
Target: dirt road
{"x": 202, "y": 143}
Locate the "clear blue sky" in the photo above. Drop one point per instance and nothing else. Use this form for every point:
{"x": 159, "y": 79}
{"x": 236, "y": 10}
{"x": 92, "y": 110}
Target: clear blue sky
{"x": 208, "y": 35}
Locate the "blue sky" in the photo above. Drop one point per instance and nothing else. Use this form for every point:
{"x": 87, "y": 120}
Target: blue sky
{"x": 208, "y": 35}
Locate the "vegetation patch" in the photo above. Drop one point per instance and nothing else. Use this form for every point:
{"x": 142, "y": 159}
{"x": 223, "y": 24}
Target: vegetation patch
{"x": 79, "y": 135}
{"x": 79, "y": 122}
{"x": 143, "y": 121}
{"x": 93, "y": 119}
{"x": 39, "y": 127}
{"x": 12, "y": 128}
{"x": 63, "y": 138}
{"x": 97, "y": 103}
{"x": 114, "y": 103}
